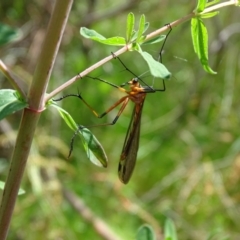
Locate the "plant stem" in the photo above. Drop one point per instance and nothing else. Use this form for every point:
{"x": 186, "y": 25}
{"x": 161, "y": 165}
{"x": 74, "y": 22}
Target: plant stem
{"x": 15, "y": 81}
{"x": 18, "y": 162}
{"x": 48, "y": 54}
{"x": 219, "y": 5}
{"x": 31, "y": 116}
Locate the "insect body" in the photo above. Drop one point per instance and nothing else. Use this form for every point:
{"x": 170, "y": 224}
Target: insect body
{"x": 130, "y": 148}
{"x": 136, "y": 94}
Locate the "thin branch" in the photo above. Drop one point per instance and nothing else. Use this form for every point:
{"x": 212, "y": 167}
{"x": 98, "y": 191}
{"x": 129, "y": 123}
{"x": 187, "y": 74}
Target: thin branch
{"x": 85, "y": 212}
{"x": 15, "y": 81}
{"x": 220, "y": 5}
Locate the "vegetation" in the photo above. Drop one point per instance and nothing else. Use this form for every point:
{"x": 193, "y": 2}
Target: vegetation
{"x": 185, "y": 183}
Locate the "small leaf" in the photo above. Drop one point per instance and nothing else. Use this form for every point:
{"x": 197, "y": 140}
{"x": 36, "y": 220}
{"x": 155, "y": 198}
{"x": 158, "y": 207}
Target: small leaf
{"x": 65, "y": 116}
{"x": 89, "y": 33}
{"x": 10, "y": 102}
{"x": 20, "y": 191}
{"x": 201, "y": 5}
{"x": 209, "y": 15}
{"x": 170, "y": 230}
{"x": 200, "y": 42}
{"x": 194, "y": 32}
{"x": 142, "y": 39}
{"x": 157, "y": 69}
{"x": 130, "y": 26}
{"x": 115, "y": 41}
{"x": 135, "y": 33}
{"x": 145, "y": 232}
{"x": 141, "y": 28}
{"x": 155, "y": 40}
{"x": 94, "y": 149}
{"x": 8, "y": 34}
{"x": 208, "y": 69}
{"x": 92, "y": 146}
{"x": 146, "y": 26}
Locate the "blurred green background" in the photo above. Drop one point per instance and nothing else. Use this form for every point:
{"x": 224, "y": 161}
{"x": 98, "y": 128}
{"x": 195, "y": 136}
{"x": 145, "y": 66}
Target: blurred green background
{"x": 188, "y": 166}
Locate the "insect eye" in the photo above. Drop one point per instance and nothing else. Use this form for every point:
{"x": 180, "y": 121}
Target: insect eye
{"x": 135, "y": 80}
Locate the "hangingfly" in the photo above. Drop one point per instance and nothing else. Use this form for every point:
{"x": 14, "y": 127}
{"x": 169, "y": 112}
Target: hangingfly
{"x": 130, "y": 147}
{"x": 137, "y": 94}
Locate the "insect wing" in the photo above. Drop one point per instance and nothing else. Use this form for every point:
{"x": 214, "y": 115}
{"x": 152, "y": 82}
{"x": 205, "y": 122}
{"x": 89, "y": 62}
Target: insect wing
{"x": 130, "y": 148}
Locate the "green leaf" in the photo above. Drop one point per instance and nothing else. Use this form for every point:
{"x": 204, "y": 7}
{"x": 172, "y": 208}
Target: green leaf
{"x": 200, "y": 42}
{"x": 92, "y": 146}
{"x": 114, "y": 41}
{"x": 146, "y": 26}
{"x": 208, "y": 69}
{"x": 209, "y": 15}
{"x": 135, "y": 33}
{"x": 141, "y": 28}
{"x": 10, "y": 102}
{"x": 201, "y": 5}
{"x": 8, "y": 34}
{"x": 155, "y": 40}
{"x": 89, "y": 33}
{"x": 92, "y": 34}
{"x": 20, "y": 191}
{"x": 194, "y": 32}
{"x": 145, "y": 232}
{"x": 130, "y": 26}
{"x": 65, "y": 116}
{"x": 169, "y": 230}
{"x": 94, "y": 149}
{"x": 157, "y": 69}
{"x": 142, "y": 39}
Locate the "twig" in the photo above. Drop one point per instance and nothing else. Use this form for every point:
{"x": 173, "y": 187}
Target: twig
{"x": 99, "y": 225}
{"x": 16, "y": 82}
